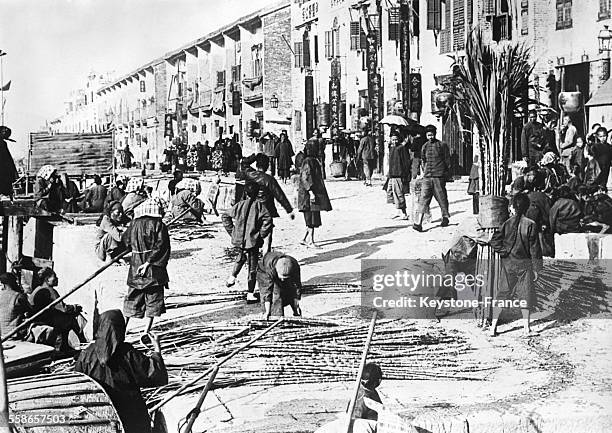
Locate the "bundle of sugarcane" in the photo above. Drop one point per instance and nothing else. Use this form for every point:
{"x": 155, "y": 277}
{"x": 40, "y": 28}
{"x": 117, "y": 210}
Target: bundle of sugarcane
{"x": 318, "y": 350}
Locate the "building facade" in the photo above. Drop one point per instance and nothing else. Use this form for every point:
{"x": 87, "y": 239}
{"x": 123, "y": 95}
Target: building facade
{"x": 219, "y": 85}
{"x": 303, "y": 65}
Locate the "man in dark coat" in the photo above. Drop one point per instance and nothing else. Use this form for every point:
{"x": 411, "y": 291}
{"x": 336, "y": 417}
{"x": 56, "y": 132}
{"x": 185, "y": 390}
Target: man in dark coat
{"x": 398, "y": 176}
{"x": 147, "y": 238}
{"x": 367, "y": 153}
{"x": 280, "y": 284}
{"x": 269, "y": 189}
{"x": 321, "y": 145}
{"x": 8, "y": 171}
{"x": 532, "y": 139}
{"x": 603, "y": 155}
{"x": 436, "y": 169}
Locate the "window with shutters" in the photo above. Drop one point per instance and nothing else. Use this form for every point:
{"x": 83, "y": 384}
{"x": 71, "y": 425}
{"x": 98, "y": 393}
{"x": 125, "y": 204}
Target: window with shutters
{"x": 375, "y": 23}
{"x": 445, "y": 33}
{"x": 256, "y": 60}
{"x": 489, "y": 7}
{"x": 355, "y": 35}
{"x": 525, "y": 17}
{"x": 502, "y": 27}
{"x": 336, "y": 42}
{"x": 298, "y": 53}
{"x": 604, "y": 9}
{"x": 329, "y": 48}
{"x": 394, "y": 24}
{"x": 220, "y": 78}
{"x": 564, "y": 14}
{"x": 458, "y": 25}
{"x": 434, "y": 14}
{"x": 470, "y": 12}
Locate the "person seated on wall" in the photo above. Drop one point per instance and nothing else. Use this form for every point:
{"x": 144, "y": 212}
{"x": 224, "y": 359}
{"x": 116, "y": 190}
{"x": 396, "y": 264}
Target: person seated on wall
{"x": 95, "y": 197}
{"x": 110, "y": 229}
{"x": 565, "y": 213}
{"x": 555, "y": 174}
{"x": 531, "y": 178}
{"x": 135, "y": 195}
{"x": 62, "y": 317}
{"x": 48, "y": 189}
{"x": 186, "y": 198}
{"x": 14, "y": 306}
{"x": 597, "y": 209}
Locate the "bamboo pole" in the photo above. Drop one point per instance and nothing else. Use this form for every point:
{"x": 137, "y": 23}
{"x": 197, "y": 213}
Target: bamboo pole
{"x": 349, "y": 414}
{"x": 5, "y": 426}
{"x": 77, "y": 287}
{"x": 219, "y": 364}
{"x": 193, "y": 415}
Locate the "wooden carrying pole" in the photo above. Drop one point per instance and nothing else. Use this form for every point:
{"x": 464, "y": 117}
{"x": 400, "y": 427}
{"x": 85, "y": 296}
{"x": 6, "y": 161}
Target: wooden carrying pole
{"x": 193, "y": 415}
{"x": 77, "y": 287}
{"x": 349, "y": 414}
{"x": 219, "y": 364}
{"x": 5, "y": 426}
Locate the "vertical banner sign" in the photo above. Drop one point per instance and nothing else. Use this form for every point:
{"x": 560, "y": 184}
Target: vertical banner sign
{"x": 309, "y": 108}
{"x": 404, "y": 37}
{"x": 335, "y": 98}
{"x": 375, "y": 94}
{"x": 168, "y": 126}
{"x": 416, "y": 93}
{"x": 236, "y": 103}
{"x": 334, "y": 105}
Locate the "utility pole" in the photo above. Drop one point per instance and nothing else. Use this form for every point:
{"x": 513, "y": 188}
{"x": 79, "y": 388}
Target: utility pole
{"x": 2, "y": 54}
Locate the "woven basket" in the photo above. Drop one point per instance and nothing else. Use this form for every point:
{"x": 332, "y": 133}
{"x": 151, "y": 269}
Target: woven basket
{"x": 493, "y": 211}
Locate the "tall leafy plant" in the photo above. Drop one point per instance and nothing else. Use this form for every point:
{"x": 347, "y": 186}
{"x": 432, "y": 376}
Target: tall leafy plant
{"x": 492, "y": 79}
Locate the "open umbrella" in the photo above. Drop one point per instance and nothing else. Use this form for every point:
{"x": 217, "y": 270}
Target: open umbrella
{"x": 402, "y": 122}
{"x": 393, "y": 120}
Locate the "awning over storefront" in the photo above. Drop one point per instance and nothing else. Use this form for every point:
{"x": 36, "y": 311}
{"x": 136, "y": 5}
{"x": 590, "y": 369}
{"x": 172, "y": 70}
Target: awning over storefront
{"x": 603, "y": 95}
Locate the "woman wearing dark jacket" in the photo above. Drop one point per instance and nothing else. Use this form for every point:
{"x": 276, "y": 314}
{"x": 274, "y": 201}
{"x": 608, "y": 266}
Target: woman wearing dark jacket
{"x": 122, "y": 370}
{"x": 312, "y": 195}
{"x": 284, "y": 153}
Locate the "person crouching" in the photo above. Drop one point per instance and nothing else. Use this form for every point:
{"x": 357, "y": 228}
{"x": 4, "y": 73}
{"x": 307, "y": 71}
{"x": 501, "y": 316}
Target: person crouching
{"x": 280, "y": 284}
{"x": 248, "y": 223}
{"x": 186, "y": 199}
{"x": 147, "y": 238}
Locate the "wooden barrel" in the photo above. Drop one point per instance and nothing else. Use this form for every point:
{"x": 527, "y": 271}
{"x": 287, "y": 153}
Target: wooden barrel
{"x": 493, "y": 211}
{"x": 61, "y": 403}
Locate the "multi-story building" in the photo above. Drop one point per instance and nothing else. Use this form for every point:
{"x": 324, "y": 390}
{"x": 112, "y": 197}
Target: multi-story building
{"x": 81, "y": 111}
{"x": 233, "y": 81}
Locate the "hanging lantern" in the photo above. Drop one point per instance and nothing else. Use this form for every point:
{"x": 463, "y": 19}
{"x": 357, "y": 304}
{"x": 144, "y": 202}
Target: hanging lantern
{"x": 570, "y": 102}
{"x": 444, "y": 100}
{"x": 274, "y": 101}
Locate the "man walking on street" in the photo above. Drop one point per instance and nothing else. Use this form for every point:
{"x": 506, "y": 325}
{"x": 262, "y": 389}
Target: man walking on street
{"x": 399, "y": 175}
{"x": 269, "y": 189}
{"x": 436, "y": 169}
{"x": 532, "y": 139}
{"x": 367, "y": 153}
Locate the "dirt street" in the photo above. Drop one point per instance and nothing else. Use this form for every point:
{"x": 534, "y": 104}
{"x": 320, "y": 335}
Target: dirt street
{"x": 559, "y": 381}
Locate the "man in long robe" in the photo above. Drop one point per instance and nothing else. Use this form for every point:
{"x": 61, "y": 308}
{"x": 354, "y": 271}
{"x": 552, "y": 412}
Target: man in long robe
{"x": 8, "y": 171}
